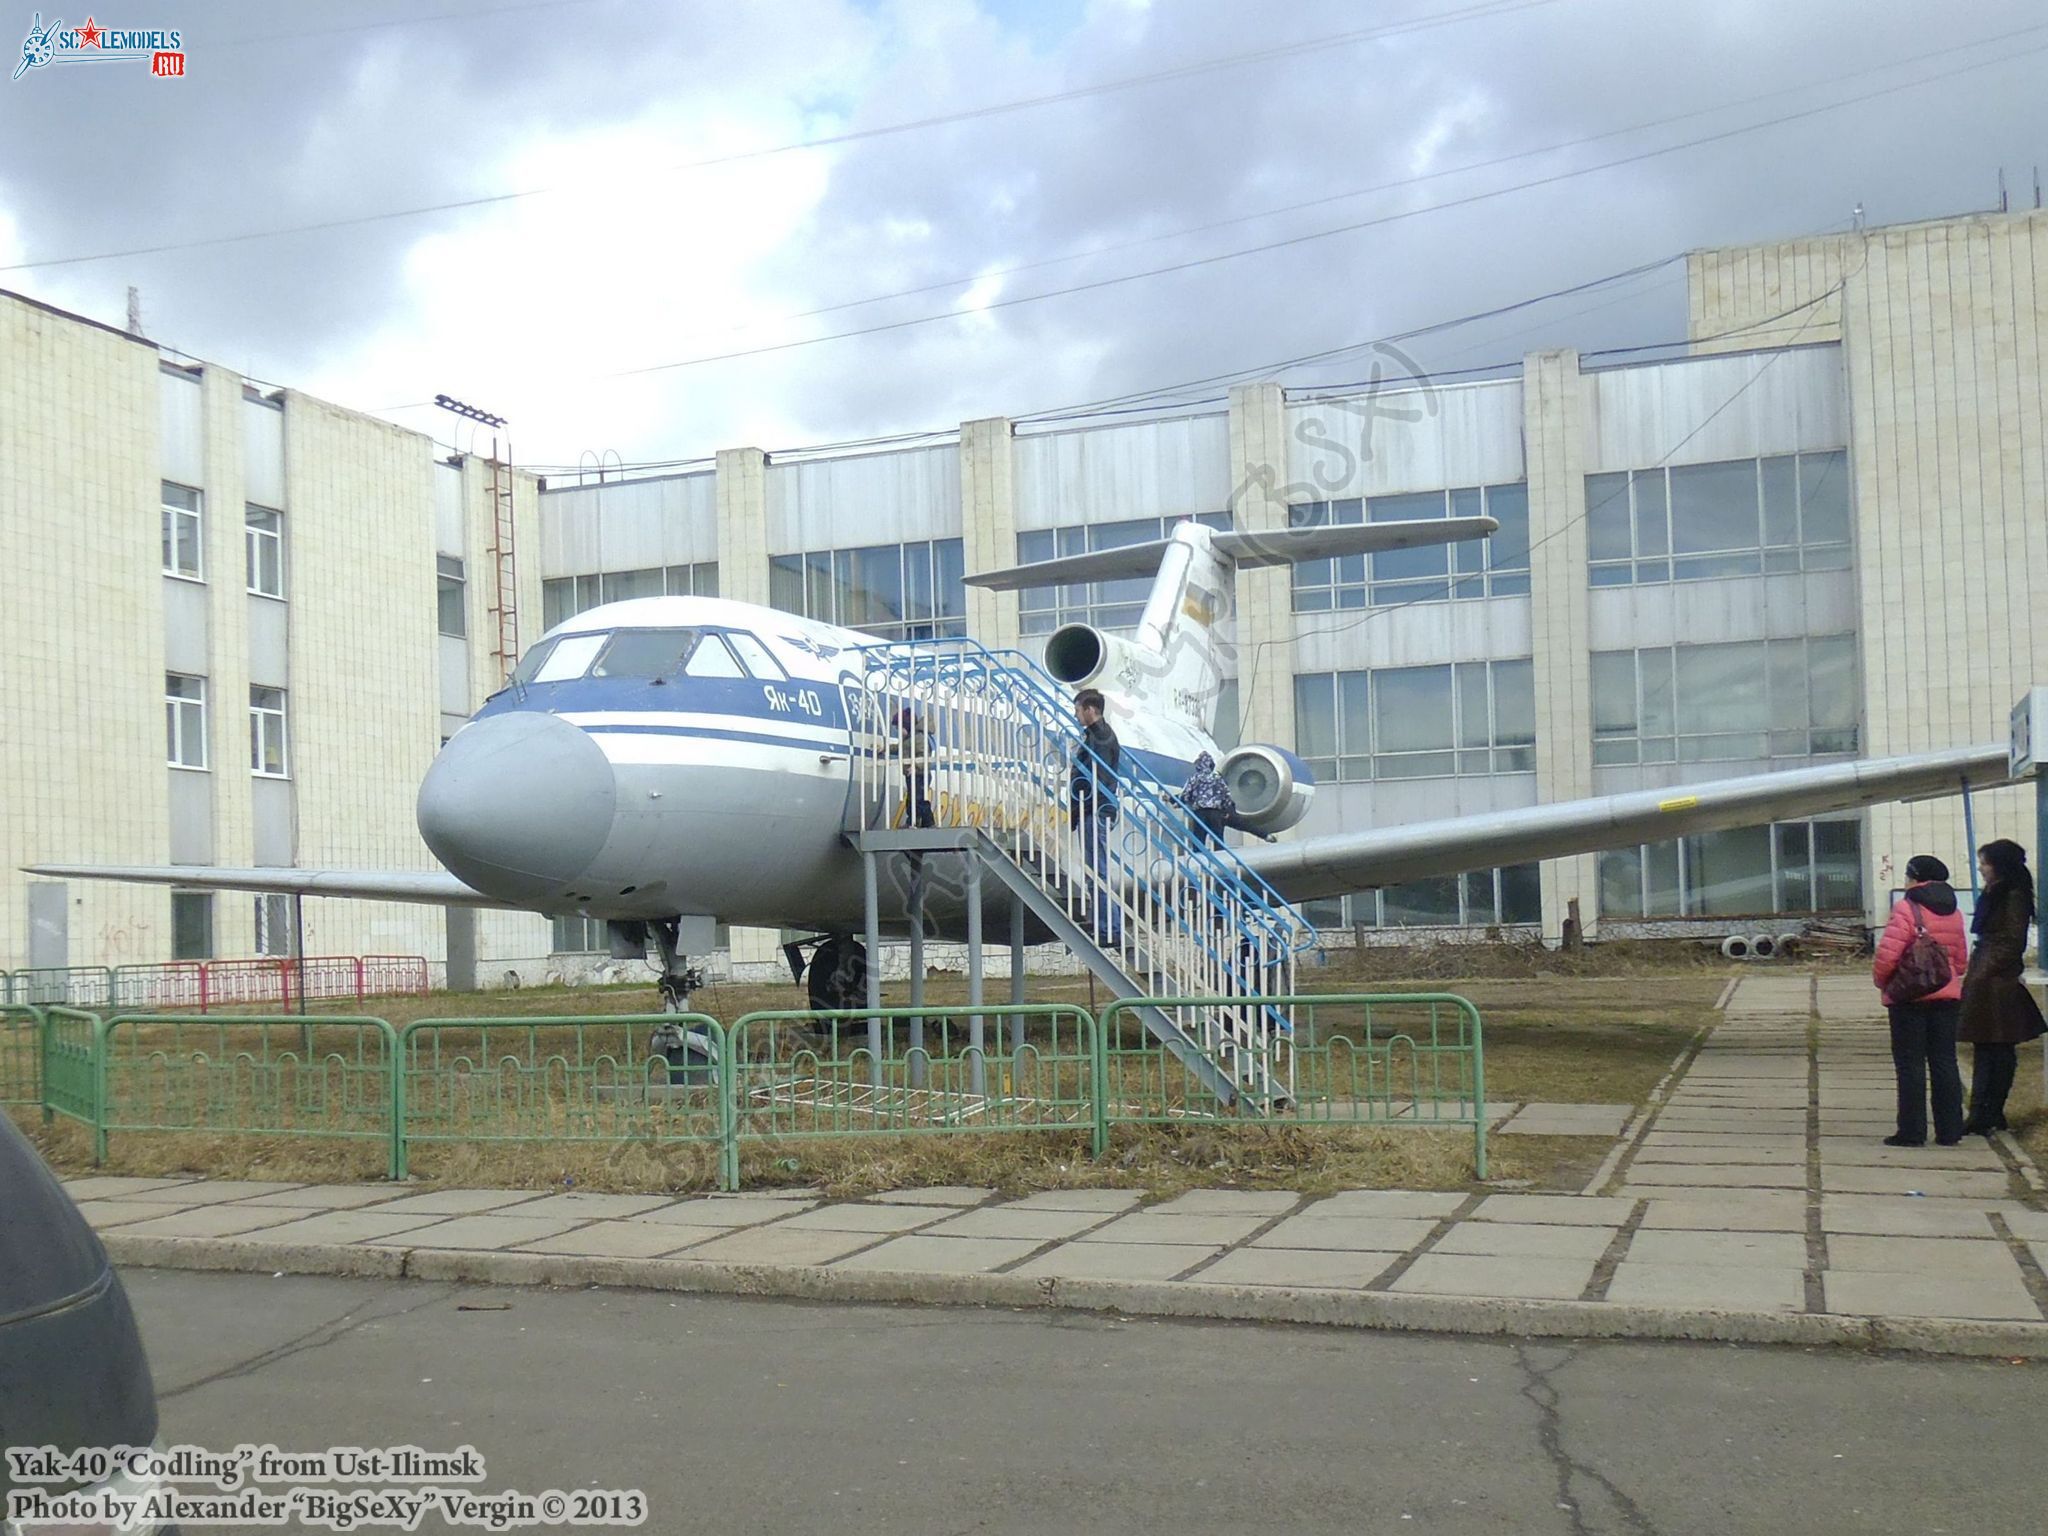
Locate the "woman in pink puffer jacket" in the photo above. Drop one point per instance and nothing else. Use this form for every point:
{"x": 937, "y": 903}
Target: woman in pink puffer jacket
{"x": 1924, "y": 1027}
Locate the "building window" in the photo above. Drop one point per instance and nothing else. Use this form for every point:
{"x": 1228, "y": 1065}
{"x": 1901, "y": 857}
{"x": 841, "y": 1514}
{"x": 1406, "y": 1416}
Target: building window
{"x": 183, "y": 545}
{"x": 1475, "y": 717}
{"x": 563, "y": 597}
{"x": 577, "y": 936}
{"x": 1740, "y": 517}
{"x": 1746, "y": 699}
{"x": 450, "y": 588}
{"x": 184, "y": 720}
{"x": 895, "y": 591}
{"x": 273, "y": 925}
{"x": 1497, "y": 566}
{"x": 1510, "y": 896}
{"x": 266, "y": 733}
{"x": 1790, "y": 867}
{"x": 191, "y": 925}
{"x": 1112, "y": 605}
{"x": 263, "y": 544}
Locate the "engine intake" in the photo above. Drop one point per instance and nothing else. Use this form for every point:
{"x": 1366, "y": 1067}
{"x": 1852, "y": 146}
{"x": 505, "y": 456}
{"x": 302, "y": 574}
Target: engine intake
{"x": 1272, "y": 787}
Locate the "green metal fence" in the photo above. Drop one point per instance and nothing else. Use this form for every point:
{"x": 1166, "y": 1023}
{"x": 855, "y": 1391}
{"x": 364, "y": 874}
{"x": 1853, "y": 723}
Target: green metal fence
{"x": 912, "y": 1071}
{"x": 650, "y": 1078}
{"x": 21, "y": 1054}
{"x": 272, "y": 1075}
{"x": 62, "y": 986}
{"x": 73, "y": 1075}
{"x": 1358, "y": 1059}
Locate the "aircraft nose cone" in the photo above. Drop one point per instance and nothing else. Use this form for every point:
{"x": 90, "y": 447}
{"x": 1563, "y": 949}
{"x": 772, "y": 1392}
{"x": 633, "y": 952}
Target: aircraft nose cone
{"x": 518, "y": 805}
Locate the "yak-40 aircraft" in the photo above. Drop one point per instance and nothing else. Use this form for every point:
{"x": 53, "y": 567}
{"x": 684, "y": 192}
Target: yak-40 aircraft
{"x": 668, "y": 763}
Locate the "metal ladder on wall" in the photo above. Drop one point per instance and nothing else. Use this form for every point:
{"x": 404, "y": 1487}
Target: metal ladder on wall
{"x": 1172, "y": 914}
{"x": 504, "y": 607}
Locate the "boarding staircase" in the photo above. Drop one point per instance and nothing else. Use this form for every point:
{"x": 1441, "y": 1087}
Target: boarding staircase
{"x": 1173, "y": 916}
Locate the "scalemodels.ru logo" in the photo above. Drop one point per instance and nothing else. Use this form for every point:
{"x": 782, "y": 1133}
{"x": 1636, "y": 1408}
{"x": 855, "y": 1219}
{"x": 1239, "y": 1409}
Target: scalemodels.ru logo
{"x": 163, "y": 50}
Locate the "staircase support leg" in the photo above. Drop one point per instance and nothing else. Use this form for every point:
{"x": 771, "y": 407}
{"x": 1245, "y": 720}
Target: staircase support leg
{"x": 974, "y": 974}
{"x": 916, "y": 1044}
{"x": 871, "y": 897}
{"x": 1016, "y": 972}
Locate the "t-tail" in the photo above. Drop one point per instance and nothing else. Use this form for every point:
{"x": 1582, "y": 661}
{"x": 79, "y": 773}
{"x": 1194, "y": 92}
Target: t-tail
{"x": 1170, "y": 671}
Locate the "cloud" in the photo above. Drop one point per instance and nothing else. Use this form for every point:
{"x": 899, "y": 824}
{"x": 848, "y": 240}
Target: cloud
{"x": 528, "y": 306}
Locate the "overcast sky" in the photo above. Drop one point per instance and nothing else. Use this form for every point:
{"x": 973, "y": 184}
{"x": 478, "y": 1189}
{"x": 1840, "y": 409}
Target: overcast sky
{"x": 633, "y": 253}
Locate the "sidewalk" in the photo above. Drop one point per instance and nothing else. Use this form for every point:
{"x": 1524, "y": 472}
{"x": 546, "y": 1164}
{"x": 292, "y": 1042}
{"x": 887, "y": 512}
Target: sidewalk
{"x": 1754, "y": 1202}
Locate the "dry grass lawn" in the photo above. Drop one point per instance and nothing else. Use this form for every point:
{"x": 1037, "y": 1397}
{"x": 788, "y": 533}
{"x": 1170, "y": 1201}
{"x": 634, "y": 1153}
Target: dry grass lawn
{"x": 1600, "y": 1026}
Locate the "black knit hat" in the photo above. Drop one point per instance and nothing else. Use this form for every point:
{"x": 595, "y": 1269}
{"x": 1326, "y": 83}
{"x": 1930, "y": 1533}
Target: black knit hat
{"x": 1925, "y": 866}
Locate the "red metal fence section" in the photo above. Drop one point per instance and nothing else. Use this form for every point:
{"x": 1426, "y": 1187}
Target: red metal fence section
{"x": 280, "y": 981}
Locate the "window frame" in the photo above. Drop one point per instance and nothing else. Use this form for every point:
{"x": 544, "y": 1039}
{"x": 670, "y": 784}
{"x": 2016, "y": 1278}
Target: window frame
{"x": 266, "y": 720}
{"x": 1822, "y": 734}
{"x": 1113, "y": 606}
{"x": 180, "y": 949}
{"x": 178, "y": 708}
{"x": 830, "y": 580}
{"x": 451, "y": 579}
{"x": 1354, "y": 698}
{"x": 1473, "y": 568}
{"x": 174, "y": 515}
{"x": 1680, "y": 855}
{"x": 1660, "y": 561}
{"x": 558, "y": 928}
{"x": 254, "y": 538}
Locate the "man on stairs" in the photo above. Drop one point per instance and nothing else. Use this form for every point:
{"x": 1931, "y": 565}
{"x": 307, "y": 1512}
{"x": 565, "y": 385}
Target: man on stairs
{"x": 1092, "y": 805}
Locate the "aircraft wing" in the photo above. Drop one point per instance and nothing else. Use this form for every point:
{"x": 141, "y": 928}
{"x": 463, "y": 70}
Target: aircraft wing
{"x": 1356, "y": 861}
{"x": 439, "y": 888}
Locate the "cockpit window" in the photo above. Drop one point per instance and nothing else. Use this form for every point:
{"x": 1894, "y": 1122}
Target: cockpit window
{"x": 644, "y": 653}
{"x": 712, "y": 659}
{"x": 758, "y": 658}
{"x": 554, "y": 661}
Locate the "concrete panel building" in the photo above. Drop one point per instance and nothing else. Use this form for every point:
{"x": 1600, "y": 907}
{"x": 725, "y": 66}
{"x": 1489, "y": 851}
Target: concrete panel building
{"x": 1819, "y": 531}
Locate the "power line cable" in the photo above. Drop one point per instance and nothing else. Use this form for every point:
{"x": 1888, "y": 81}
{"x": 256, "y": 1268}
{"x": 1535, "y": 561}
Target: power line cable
{"x": 822, "y": 141}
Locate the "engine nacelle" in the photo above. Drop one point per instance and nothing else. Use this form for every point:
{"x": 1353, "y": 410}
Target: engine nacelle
{"x": 1082, "y": 656}
{"x": 1272, "y": 787}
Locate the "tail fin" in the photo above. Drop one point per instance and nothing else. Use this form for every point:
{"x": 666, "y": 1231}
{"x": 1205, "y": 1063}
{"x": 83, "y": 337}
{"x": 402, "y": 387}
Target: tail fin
{"x": 1174, "y": 664}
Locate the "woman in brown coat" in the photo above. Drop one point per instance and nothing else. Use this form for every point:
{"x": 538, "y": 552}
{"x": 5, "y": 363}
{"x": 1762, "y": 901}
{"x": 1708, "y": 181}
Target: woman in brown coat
{"x": 1998, "y": 1014}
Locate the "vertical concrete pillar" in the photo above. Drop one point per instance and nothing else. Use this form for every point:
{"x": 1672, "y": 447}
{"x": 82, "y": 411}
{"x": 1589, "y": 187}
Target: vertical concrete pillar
{"x": 989, "y": 525}
{"x": 1265, "y": 598}
{"x": 1554, "y": 425}
{"x": 743, "y": 525}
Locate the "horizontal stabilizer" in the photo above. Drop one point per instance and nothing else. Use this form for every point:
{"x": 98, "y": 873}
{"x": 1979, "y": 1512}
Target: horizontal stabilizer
{"x": 1277, "y": 546}
{"x": 438, "y": 888}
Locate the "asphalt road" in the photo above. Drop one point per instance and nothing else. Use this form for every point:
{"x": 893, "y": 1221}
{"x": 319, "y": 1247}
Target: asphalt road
{"x": 740, "y": 1416}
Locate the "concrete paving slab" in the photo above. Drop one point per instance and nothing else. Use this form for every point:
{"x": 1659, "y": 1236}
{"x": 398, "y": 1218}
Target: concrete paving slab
{"x": 348, "y": 1227}
{"x": 1328, "y": 1268}
{"x": 1719, "y": 1175}
{"x": 717, "y": 1211}
{"x": 109, "y": 1186}
{"x": 1904, "y": 1181}
{"x": 1385, "y": 1202}
{"x": 103, "y": 1214}
{"x": 1685, "y": 1285}
{"x": 1722, "y": 1141}
{"x": 1960, "y": 1258}
{"x": 622, "y": 1239}
{"x": 1738, "y": 1156}
{"x": 1720, "y": 1250}
{"x": 1470, "y": 1274}
{"x": 1729, "y": 1211}
{"x": 1078, "y": 1200}
{"x": 937, "y": 1194}
{"x": 1118, "y": 1261}
{"x": 1365, "y": 1234}
{"x": 1009, "y": 1221}
{"x": 1228, "y": 1202}
{"x": 211, "y": 1191}
{"x": 1508, "y": 1239}
{"x": 208, "y": 1221}
{"x": 1903, "y": 1218}
{"x": 1562, "y": 1210}
{"x": 478, "y": 1232}
{"x": 1856, "y": 1152}
{"x": 593, "y": 1207}
{"x": 942, "y": 1255}
{"x": 2031, "y": 1225}
{"x": 852, "y": 1217}
{"x": 329, "y": 1197}
{"x": 1569, "y": 1120}
{"x": 458, "y": 1202}
{"x": 780, "y": 1244}
{"x": 1144, "y": 1227}
{"x": 1889, "y": 1295}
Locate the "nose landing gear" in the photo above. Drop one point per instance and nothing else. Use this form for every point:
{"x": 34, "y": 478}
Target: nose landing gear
{"x": 692, "y": 1055}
